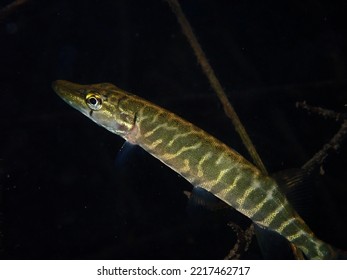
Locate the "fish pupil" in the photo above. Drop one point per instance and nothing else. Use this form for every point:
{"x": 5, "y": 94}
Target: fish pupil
{"x": 93, "y": 100}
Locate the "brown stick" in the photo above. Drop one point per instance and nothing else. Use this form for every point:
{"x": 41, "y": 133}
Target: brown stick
{"x": 335, "y": 142}
{"x": 215, "y": 84}
{"x": 244, "y": 238}
{"x": 321, "y": 111}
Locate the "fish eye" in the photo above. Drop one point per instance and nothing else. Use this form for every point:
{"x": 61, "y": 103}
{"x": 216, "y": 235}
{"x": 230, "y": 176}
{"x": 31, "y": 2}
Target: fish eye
{"x": 94, "y": 101}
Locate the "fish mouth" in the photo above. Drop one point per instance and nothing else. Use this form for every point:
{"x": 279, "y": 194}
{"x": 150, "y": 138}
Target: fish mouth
{"x": 66, "y": 88}
{"x": 71, "y": 93}
{"x": 57, "y": 85}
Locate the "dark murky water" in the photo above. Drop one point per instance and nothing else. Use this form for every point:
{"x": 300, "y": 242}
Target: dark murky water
{"x": 65, "y": 193}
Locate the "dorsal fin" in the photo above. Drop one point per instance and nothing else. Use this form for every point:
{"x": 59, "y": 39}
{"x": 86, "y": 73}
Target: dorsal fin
{"x": 297, "y": 186}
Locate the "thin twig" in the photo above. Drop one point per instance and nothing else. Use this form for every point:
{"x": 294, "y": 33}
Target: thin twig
{"x": 335, "y": 142}
{"x": 215, "y": 84}
{"x": 244, "y": 239}
{"x": 321, "y": 111}
{"x": 332, "y": 145}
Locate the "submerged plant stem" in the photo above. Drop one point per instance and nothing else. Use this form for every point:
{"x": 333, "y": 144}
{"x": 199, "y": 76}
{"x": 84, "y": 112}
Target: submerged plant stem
{"x": 215, "y": 84}
{"x": 334, "y": 143}
{"x": 321, "y": 111}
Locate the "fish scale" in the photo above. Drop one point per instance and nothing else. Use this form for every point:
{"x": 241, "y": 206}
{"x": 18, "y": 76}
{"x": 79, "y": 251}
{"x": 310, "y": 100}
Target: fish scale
{"x": 196, "y": 155}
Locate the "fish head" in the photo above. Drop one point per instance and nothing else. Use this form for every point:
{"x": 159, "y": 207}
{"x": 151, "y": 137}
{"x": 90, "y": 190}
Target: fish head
{"x": 103, "y": 103}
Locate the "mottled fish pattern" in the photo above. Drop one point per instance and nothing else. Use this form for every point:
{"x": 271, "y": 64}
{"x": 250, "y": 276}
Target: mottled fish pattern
{"x": 197, "y": 156}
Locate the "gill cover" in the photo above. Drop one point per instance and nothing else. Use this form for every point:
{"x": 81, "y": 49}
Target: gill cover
{"x": 103, "y": 103}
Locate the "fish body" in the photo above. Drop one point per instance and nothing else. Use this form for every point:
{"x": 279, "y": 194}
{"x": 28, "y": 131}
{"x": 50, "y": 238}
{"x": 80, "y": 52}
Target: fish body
{"x": 197, "y": 156}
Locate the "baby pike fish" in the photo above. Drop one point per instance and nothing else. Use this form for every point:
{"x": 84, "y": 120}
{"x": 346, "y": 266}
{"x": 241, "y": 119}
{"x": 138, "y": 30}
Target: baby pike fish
{"x": 197, "y": 156}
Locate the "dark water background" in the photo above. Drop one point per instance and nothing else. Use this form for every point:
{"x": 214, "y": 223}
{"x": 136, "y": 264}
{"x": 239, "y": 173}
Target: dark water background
{"x": 65, "y": 191}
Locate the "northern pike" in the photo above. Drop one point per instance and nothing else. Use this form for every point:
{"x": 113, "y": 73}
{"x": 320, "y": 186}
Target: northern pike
{"x": 197, "y": 156}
